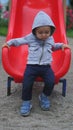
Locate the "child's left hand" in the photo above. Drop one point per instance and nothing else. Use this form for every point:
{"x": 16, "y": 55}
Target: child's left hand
{"x": 65, "y": 46}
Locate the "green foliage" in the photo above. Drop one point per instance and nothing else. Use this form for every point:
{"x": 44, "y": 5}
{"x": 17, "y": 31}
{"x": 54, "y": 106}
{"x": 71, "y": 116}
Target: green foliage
{"x": 3, "y": 23}
{"x": 3, "y": 27}
{"x": 70, "y": 33}
{"x": 71, "y": 3}
{"x": 3, "y": 31}
{"x": 69, "y": 20}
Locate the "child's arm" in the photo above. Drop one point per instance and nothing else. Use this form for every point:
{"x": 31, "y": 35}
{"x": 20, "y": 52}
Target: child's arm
{"x": 17, "y": 41}
{"x": 65, "y": 46}
{"x": 58, "y": 46}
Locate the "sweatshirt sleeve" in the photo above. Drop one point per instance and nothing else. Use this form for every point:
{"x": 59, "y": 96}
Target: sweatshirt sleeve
{"x": 19, "y": 41}
{"x": 57, "y": 46}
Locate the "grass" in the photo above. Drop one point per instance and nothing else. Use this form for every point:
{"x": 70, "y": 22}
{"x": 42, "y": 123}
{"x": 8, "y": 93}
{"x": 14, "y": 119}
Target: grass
{"x": 3, "y": 31}
{"x": 70, "y": 33}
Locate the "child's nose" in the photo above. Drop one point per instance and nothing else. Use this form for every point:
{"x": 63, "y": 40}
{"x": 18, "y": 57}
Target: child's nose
{"x": 43, "y": 34}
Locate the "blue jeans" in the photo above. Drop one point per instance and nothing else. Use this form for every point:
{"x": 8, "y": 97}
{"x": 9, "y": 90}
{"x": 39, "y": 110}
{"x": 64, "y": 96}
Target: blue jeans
{"x": 31, "y": 73}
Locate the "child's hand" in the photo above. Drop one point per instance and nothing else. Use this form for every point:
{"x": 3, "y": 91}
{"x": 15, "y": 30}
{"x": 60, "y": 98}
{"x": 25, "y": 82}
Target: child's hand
{"x": 65, "y": 46}
{"x": 5, "y": 45}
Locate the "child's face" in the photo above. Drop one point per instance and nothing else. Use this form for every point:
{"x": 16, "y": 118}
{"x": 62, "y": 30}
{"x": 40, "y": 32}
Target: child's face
{"x": 43, "y": 32}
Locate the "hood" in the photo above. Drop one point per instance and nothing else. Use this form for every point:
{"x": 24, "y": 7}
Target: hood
{"x": 42, "y": 19}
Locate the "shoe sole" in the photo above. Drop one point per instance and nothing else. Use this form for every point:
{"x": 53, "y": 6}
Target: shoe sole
{"x": 44, "y": 109}
{"x": 26, "y": 114}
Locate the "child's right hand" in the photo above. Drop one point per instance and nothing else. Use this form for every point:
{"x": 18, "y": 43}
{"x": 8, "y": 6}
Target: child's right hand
{"x": 5, "y": 45}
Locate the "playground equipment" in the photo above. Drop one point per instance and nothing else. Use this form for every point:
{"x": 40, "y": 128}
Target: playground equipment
{"x": 21, "y": 18}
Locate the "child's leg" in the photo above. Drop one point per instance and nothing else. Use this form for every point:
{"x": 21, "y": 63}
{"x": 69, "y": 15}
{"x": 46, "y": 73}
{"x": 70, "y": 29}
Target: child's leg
{"x": 49, "y": 80}
{"x": 48, "y": 76}
{"x": 29, "y": 77}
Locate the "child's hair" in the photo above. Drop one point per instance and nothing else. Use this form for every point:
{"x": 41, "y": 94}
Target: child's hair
{"x": 52, "y": 30}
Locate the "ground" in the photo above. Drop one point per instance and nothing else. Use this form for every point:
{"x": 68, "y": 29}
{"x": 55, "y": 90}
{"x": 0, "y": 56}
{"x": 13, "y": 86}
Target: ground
{"x": 59, "y": 117}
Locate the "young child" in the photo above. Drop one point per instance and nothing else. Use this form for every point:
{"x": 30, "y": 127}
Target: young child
{"x": 41, "y": 44}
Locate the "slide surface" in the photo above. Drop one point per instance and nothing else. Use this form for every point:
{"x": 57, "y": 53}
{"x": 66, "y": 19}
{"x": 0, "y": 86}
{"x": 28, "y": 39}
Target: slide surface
{"x": 21, "y": 18}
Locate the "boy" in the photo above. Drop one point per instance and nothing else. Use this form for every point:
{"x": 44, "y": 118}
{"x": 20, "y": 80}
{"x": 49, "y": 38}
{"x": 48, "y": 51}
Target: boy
{"x": 41, "y": 44}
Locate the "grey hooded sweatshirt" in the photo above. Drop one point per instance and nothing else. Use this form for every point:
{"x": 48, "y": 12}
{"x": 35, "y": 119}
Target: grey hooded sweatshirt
{"x": 39, "y": 51}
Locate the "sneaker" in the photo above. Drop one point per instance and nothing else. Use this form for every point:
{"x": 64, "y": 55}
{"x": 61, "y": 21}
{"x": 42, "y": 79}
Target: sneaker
{"x": 44, "y": 102}
{"x": 25, "y": 108}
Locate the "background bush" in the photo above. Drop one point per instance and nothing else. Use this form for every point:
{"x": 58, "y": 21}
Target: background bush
{"x": 69, "y": 18}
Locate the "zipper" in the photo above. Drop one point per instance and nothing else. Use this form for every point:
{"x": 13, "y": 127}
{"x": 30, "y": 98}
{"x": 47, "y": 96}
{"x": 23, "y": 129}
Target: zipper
{"x": 41, "y": 53}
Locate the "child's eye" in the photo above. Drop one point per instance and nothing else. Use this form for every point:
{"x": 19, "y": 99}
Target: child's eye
{"x": 47, "y": 32}
{"x": 44, "y": 32}
{"x": 40, "y": 32}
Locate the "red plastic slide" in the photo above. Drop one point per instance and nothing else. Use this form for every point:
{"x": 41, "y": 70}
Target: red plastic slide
{"x": 21, "y": 18}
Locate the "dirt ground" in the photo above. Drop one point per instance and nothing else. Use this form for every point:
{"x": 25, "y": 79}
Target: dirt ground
{"x": 59, "y": 117}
